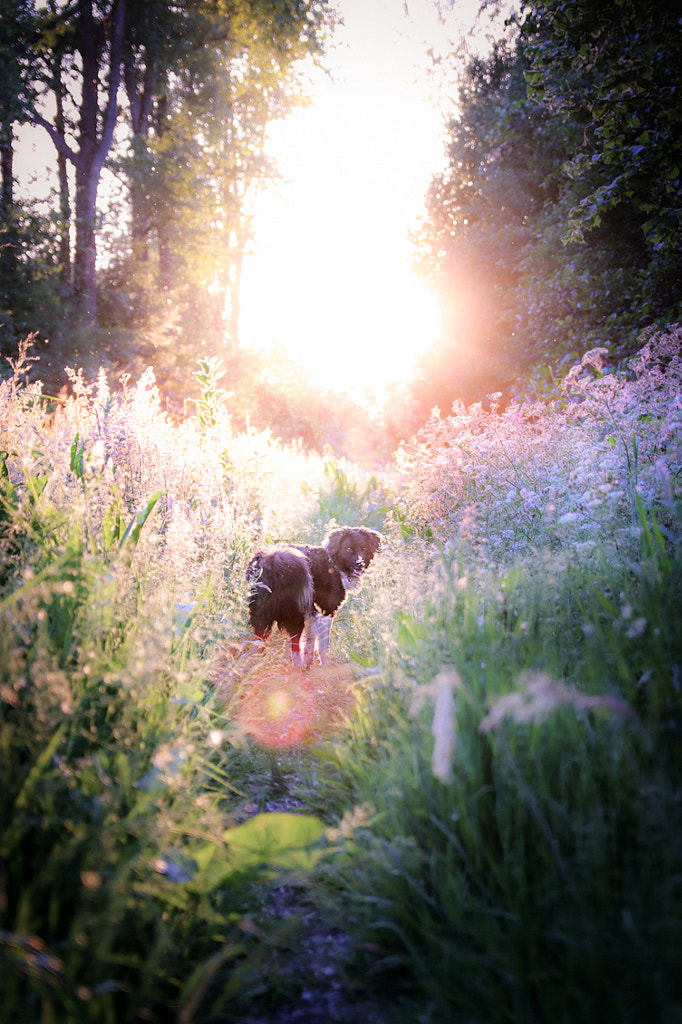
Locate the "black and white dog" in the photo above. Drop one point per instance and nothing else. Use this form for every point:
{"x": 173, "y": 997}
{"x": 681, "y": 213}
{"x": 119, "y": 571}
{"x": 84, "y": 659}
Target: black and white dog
{"x": 301, "y": 588}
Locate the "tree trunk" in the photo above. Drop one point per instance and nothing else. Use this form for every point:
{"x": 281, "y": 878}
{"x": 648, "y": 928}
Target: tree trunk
{"x": 84, "y": 276}
{"x": 93, "y": 150}
{"x": 87, "y": 177}
{"x": 166, "y": 263}
{"x": 234, "y": 297}
{"x": 64, "y": 246}
{"x": 7, "y": 241}
{"x": 140, "y": 100}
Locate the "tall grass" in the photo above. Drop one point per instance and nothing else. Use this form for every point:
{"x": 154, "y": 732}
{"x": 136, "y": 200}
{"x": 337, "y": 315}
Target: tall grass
{"x": 487, "y": 790}
{"x": 519, "y": 769}
{"x": 124, "y": 885}
{"x": 538, "y": 877}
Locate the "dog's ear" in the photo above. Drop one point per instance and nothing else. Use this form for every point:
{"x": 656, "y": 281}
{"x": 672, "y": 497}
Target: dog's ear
{"x": 333, "y": 542}
{"x": 375, "y": 541}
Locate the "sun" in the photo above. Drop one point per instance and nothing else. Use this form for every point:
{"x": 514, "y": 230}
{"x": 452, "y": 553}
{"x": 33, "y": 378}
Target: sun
{"x": 353, "y": 321}
{"x": 331, "y": 279}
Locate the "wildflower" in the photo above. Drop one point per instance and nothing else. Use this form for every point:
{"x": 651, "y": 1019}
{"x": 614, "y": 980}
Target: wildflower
{"x": 352, "y": 820}
{"x": 91, "y": 880}
{"x": 637, "y": 629}
{"x": 662, "y": 476}
{"x": 444, "y": 736}
{"x": 97, "y": 455}
{"x": 443, "y": 729}
{"x": 539, "y": 695}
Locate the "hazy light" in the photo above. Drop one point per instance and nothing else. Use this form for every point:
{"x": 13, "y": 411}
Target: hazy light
{"x": 331, "y": 277}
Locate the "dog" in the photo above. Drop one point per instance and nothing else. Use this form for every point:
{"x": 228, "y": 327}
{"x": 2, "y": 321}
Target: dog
{"x": 300, "y": 588}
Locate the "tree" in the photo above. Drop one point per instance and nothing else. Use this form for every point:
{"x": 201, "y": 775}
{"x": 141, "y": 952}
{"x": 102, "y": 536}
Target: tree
{"x": 202, "y": 79}
{"x": 491, "y": 235}
{"x": 14, "y": 18}
{"x": 98, "y": 32}
{"x": 614, "y": 66}
{"x": 555, "y": 227}
{"x": 198, "y": 151}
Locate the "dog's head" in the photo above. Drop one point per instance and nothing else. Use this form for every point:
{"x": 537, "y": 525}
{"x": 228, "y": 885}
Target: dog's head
{"x": 351, "y": 549}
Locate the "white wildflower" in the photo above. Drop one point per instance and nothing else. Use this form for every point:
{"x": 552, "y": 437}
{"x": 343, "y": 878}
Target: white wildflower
{"x": 538, "y": 695}
{"x": 637, "y": 629}
{"x": 441, "y": 690}
{"x": 443, "y": 728}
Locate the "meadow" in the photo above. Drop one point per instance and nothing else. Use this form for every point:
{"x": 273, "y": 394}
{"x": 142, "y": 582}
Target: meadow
{"x": 473, "y": 815}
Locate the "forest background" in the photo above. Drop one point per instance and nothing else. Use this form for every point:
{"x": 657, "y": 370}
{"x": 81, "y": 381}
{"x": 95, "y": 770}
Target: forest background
{"x": 554, "y": 228}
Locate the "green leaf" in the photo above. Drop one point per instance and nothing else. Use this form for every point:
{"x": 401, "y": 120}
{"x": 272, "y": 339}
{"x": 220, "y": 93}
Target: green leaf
{"x": 113, "y": 524}
{"x": 38, "y": 771}
{"x": 77, "y": 458}
{"x": 410, "y": 632}
{"x": 263, "y": 845}
{"x": 35, "y": 485}
{"x": 132, "y": 534}
{"x": 277, "y": 838}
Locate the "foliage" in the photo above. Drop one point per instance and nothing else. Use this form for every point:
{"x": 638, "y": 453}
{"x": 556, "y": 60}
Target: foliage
{"x": 349, "y": 498}
{"x": 551, "y": 474}
{"x": 202, "y": 94}
{"x": 517, "y": 883}
{"x": 519, "y": 768}
{"x": 130, "y": 858}
{"x": 202, "y": 82}
{"x": 626, "y": 54}
{"x": 482, "y": 818}
{"x": 213, "y": 397}
{"x": 547, "y": 233}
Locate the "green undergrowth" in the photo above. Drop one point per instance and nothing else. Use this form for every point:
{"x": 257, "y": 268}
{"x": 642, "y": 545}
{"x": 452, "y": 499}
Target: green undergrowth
{"x": 473, "y": 813}
{"x": 537, "y": 878}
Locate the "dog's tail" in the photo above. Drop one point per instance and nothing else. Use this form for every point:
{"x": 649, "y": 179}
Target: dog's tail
{"x": 281, "y": 590}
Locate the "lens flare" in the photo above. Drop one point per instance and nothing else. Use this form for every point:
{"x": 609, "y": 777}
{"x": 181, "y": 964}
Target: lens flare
{"x": 279, "y": 709}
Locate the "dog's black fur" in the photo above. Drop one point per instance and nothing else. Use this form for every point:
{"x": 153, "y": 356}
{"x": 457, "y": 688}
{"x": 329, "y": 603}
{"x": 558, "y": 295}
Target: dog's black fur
{"x": 300, "y": 588}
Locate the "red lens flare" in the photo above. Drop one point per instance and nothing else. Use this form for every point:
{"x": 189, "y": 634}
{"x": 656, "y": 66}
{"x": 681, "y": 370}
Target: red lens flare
{"x": 279, "y": 709}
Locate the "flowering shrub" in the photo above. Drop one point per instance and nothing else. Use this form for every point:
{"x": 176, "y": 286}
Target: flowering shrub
{"x": 506, "y": 482}
{"x": 103, "y": 455}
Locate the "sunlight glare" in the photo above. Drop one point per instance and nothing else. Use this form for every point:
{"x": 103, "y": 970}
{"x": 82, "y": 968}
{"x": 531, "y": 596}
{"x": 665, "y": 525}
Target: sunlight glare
{"x": 331, "y": 279}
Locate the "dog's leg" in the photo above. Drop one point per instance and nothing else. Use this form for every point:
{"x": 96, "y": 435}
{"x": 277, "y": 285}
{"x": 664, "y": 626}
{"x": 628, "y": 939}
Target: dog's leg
{"x": 260, "y": 637}
{"x": 309, "y": 640}
{"x": 296, "y": 650}
{"x": 324, "y": 626}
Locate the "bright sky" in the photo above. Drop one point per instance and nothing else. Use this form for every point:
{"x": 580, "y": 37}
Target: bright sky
{"x": 330, "y": 278}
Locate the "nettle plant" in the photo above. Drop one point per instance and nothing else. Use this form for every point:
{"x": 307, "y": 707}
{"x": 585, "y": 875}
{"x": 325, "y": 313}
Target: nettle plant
{"x": 554, "y": 473}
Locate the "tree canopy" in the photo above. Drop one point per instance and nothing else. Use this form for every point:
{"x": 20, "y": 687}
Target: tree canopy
{"x": 176, "y": 100}
{"x": 556, "y": 226}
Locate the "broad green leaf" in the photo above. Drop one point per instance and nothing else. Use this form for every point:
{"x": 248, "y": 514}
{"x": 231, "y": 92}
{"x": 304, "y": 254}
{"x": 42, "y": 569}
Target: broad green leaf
{"x": 263, "y": 845}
